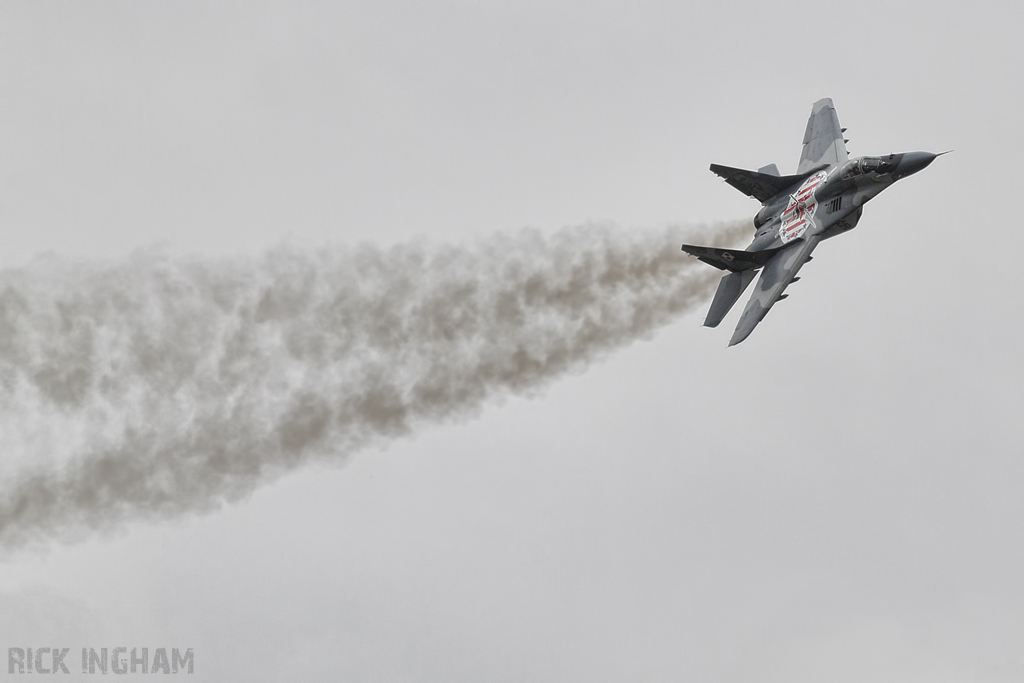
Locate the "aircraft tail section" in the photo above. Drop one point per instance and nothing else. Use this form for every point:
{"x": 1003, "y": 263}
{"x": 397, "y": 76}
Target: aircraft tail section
{"x": 761, "y": 185}
{"x": 735, "y": 260}
{"x": 729, "y": 291}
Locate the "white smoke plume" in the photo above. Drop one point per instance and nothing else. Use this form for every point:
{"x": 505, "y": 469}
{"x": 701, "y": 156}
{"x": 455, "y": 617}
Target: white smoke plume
{"x": 160, "y": 385}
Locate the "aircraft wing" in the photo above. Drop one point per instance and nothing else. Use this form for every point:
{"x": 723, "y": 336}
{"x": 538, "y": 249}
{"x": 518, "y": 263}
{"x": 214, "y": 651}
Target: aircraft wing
{"x": 777, "y": 274}
{"x": 823, "y": 139}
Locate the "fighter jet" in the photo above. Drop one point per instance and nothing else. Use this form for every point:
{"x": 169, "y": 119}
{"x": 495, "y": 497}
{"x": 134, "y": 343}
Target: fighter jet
{"x": 823, "y": 199}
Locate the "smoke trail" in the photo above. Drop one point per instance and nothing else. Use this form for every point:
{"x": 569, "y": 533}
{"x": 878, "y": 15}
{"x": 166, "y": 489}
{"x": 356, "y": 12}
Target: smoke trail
{"x": 160, "y": 386}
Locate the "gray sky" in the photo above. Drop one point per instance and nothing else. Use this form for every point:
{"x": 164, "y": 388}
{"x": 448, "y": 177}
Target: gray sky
{"x": 837, "y": 498}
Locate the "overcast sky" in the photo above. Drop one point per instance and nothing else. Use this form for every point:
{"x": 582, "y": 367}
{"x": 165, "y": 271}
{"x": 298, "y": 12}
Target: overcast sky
{"x": 838, "y": 498}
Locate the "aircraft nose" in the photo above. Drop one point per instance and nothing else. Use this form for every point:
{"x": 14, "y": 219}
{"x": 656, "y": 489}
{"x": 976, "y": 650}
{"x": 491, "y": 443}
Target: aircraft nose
{"x": 912, "y": 162}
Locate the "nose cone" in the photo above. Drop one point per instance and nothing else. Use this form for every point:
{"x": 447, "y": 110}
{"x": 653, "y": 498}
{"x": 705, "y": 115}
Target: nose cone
{"x": 912, "y": 162}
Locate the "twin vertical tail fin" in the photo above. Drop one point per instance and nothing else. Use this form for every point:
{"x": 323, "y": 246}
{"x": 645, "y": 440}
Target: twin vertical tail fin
{"x": 729, "y": 290}
{"x": 742, "y": 267}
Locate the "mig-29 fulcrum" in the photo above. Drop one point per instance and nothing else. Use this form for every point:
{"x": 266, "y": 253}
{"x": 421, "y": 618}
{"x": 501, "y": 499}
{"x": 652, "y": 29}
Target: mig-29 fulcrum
{"x": 825, "y": 198}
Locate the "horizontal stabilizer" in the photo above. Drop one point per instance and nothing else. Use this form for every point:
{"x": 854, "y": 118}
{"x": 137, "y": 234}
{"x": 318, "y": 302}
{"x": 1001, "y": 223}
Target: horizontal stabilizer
{"x": 735, "y": 260}
{"x": 760, "y": 186}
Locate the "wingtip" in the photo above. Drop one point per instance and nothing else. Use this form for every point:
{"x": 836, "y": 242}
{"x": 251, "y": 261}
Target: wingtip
{"x": 737, "y": 337}
{"x": 745, "y": 326}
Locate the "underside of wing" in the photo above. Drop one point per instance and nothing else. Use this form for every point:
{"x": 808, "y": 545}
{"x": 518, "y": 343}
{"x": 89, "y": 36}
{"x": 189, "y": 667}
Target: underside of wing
{"x": 823, "y": 139}
{"x": 777, "y": 274}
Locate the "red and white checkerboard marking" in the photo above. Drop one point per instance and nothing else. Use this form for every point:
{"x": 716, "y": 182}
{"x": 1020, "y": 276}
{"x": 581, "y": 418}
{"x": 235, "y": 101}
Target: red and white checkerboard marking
{"x": 799, "y": 214}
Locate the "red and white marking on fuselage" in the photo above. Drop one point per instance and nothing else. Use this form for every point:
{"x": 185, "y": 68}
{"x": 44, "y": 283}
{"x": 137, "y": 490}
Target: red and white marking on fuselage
{"x": 799, "y": 214}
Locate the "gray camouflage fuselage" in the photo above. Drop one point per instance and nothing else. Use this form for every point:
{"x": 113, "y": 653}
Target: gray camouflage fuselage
{"x": 823, "y": 199}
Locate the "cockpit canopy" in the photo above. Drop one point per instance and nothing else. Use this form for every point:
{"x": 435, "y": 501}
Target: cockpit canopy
{"x": 879, "y": 165}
